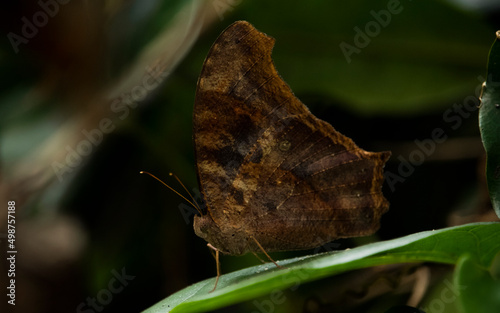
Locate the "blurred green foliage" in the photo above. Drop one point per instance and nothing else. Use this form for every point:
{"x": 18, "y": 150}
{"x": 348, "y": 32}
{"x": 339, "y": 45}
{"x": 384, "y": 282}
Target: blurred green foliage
{"x": 90, "y": 54}
{"x": 489, "y": 121}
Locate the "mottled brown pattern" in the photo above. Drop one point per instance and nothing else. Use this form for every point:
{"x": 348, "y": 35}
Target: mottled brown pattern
{"x": 267, "y": 167}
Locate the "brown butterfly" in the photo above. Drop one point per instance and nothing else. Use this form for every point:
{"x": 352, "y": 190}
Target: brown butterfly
{"x": 273, "y": 176}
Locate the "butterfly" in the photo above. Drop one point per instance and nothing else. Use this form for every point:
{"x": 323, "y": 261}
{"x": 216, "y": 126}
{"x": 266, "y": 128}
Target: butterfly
{"x": 273, "y": 176}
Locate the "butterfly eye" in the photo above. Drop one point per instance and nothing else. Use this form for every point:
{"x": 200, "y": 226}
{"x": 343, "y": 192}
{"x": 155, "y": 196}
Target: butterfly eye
{"x": 285, "y": 145}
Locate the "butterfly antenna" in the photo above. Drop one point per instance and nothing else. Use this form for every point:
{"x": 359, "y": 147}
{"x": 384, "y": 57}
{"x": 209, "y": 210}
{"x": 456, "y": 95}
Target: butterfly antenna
{"x": 193, "y": 203}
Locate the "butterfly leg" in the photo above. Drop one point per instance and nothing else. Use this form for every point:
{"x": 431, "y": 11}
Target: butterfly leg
{"x": 264, "y": 251}
{"x": 258, "y": 257}
{"x": 218, "y": 265}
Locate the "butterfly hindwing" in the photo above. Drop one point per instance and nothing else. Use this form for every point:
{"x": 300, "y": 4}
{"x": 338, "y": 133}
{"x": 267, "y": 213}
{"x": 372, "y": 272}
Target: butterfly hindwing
{"x": 267, "y": 167}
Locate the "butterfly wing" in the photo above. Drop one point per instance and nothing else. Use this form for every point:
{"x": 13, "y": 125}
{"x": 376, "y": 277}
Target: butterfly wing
{"x": 266, "y": 165}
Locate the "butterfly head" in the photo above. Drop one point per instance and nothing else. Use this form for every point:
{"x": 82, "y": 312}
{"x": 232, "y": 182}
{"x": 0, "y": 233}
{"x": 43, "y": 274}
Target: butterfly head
{"x": 223, "y": 237}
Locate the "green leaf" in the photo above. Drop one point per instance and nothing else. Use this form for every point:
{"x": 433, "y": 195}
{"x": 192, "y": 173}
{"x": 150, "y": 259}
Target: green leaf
{"x": 489, "y": 123}
{"x": 478, "y": 291}
{"x": 443, "y": 246}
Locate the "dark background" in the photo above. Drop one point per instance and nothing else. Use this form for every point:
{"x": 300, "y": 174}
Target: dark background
{"x": 76, "y": 228}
